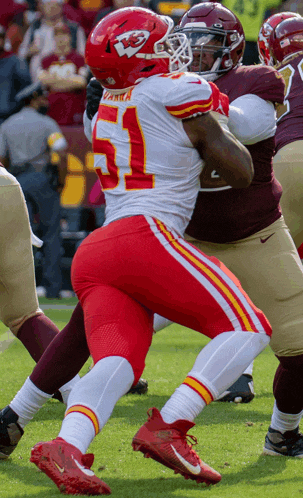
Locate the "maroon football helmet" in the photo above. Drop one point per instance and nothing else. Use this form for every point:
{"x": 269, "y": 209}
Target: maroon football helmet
{"x": 133, "y": 43}
{"x": 286, "y": 39}
{"x": 264, "y": 34}
{"x": 213, "y": 29}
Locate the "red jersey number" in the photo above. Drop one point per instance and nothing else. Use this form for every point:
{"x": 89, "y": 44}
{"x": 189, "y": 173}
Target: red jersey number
{"x": 137, "y": 179}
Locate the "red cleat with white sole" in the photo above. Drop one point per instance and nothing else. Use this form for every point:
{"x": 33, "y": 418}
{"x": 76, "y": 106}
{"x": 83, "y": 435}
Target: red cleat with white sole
{"x": 68, "y": 468}
{"x": 168, "y": 444}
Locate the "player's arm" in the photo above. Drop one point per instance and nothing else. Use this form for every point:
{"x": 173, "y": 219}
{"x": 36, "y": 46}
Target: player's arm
{"x": 220, "y": 150}
{"x": 252, "y": 119}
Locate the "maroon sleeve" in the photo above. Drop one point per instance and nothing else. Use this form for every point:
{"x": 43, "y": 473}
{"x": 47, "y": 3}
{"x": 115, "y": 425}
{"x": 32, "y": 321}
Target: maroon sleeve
{"x": 263, "y": 81}
{"x": 269, "y": 84}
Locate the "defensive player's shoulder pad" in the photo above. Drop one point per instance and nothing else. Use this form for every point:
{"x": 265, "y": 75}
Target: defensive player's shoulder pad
{"x": 186, "y": 95}
{"x": 264, "y": 81}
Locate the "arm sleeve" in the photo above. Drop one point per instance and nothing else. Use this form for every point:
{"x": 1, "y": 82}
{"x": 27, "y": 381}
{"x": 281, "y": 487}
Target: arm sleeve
{"x": 23, "y": 49}
{"x": 252, "y": 119}
{"x": 81, "y": 40}
{"x": 188, "y": 96}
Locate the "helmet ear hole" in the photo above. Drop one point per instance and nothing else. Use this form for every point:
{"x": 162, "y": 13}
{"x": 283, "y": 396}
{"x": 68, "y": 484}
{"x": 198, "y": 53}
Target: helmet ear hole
{"x": 108, "y": 50}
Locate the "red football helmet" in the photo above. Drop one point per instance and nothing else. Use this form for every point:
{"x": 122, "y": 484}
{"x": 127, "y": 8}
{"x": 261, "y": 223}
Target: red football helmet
{"x": 213, "y": 29}
{"x": 133, "y": 43}
{"x": 265, "y": 31}
{"x": 286, "y": 39}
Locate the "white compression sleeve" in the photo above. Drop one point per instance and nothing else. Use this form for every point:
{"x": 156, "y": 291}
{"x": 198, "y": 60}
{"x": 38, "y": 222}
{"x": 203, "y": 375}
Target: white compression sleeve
{"x": 252, "y": 119}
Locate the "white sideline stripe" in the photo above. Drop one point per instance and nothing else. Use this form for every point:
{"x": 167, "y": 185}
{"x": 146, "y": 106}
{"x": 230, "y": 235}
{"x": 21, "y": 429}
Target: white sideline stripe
{"x": 6, "y": 340}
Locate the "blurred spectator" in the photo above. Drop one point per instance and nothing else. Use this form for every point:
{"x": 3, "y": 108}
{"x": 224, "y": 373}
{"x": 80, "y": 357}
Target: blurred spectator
{"x": 291, "y": 6}
{"x": 173, "y": 8}
{"x": 64, "y": 73}
{"x": 118, "y": 4}
{"x": 39, "y": 41}
{"x": 251, "y": 15}
{"x": 88, "y": 10}
{"x": 14, "y": 76}
{"x": 18, "y": 27}
{"x": 27, "y": 140}
{"x": 8, "y": 10}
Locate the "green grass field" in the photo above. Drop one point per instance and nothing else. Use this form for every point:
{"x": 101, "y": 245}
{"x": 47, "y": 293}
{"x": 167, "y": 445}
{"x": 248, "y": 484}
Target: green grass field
{"x": 230, "y": 436}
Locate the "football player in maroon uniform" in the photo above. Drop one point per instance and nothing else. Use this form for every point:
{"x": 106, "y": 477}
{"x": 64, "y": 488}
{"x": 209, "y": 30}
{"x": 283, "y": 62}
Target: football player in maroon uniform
{"x": 285, "y": 46}
{"x": 245, "y": 228}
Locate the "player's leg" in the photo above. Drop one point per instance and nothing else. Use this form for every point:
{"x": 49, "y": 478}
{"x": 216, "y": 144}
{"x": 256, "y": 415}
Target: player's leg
{"x": 271, "y": 273}
{"x": 119, "y": 332}
{"x": 177, "y": 281}
{"x": 288, "y": 166}
{"x": 19, "y": 307}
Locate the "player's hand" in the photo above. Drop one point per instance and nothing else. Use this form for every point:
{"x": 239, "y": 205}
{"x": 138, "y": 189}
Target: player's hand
{"x": 220, "y": 100}
{"x": 93, "y": 95}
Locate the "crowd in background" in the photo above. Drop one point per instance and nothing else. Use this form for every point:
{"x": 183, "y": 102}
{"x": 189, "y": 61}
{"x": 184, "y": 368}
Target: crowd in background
{"x": 44, "y": 41}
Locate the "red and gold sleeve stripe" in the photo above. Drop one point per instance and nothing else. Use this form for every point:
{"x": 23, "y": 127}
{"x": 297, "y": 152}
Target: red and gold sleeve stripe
{"x": 199, "y": 388}
{"x": 186, "y": 110}
{"x": 87, "y": 412}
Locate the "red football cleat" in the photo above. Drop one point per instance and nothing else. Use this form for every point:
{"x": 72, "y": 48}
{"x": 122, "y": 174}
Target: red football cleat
{"x": 70, "y": 470}
{"x": 167, "y": 444}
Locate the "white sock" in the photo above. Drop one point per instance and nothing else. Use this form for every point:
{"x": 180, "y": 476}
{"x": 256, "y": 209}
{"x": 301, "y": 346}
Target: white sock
{"x": 184, "y": 404}
{"x": 283, "y": 422}
{"x": 218, "y": 366}
{"x": 92, "y": 401}
{"x": 249, "y": 369}
{"x": 66, "y": 388}
{"x": 28, "y": 402}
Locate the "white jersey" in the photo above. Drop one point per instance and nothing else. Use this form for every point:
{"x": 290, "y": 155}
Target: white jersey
{"x": 142, "y": 155}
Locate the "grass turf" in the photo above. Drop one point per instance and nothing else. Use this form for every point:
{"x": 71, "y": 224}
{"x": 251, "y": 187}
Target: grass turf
{"x": 230, "y": 436}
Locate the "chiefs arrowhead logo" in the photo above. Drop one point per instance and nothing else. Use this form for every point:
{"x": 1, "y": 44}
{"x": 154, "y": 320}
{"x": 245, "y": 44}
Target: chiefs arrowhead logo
{"x": 129, "y": 43}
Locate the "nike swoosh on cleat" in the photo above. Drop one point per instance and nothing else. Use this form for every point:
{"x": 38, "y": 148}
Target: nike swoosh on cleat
{"x": 193, "y": 469}
{"x": 86, "y": 471}
{"x": 61, "y": 469}
{"x": 198, "y": 82}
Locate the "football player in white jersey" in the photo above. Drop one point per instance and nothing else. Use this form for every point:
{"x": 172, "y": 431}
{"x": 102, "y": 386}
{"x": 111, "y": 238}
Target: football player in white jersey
{"x": 151, "y": 137}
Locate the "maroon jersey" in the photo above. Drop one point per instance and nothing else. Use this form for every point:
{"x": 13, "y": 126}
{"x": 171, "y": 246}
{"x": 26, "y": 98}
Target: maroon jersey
{"x": 289, "y": 114}
{"x": 233, "y": 214}
{"x": 66, "y": 108}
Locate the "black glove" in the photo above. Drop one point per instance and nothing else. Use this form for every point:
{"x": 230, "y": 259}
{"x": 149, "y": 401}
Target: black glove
{"x": 93, "y": 95}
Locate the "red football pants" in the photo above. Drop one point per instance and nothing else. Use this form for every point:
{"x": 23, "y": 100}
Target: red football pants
{"x": 124, "y": 272}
